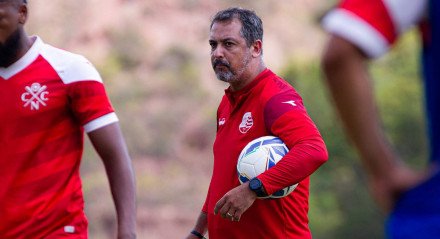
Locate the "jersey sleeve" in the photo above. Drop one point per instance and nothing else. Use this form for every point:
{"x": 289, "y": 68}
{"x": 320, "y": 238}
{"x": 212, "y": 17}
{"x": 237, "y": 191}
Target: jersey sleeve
{"x": 286, "y": 118}
{"x": 89, "y": 101}
{"x": 373, "y": 25}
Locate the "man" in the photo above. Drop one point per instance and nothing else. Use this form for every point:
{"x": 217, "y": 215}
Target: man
{"x": 411, "y": 198}
{"x": 49, "y": 97}
{"x": 256, "y": 95}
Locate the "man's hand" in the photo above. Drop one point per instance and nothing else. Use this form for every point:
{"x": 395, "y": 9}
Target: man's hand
{"x": 387, "y": 189}
{"x": 235, "y": 202}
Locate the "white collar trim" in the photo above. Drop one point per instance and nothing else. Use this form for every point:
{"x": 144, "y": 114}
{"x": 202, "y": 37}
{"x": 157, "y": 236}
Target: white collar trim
{"x": 24, "y": 61}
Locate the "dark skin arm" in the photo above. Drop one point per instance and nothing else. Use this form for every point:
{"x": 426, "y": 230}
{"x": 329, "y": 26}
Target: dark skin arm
{"x": 350, "y": 85}
{"x": 110, "y": 145}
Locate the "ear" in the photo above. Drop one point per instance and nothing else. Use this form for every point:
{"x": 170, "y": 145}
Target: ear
{"x": 257, "y": 48}
{"x": 23, "y": 13}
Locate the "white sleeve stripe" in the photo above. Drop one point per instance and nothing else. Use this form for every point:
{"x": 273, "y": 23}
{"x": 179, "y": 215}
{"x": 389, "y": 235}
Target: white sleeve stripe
{"x": 352, "y": 28}
{"x": 101, "y": 122}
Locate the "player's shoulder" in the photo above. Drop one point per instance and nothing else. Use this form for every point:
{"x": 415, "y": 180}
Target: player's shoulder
{"x": 284, "y": 101}
{"x": 374, "y": 25}
{"x": 280, "y": 94}
{"x": 288, "y": 97}
{"x": 276, "y": 86}
{"x": 71, "y": 67}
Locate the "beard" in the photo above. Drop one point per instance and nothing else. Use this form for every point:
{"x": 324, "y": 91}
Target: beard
{"x": 229, "y": 75}
{"x": 9, "y": 49}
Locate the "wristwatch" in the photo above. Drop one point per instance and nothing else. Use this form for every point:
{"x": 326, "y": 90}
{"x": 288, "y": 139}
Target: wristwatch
{"x": 256, "y": 185}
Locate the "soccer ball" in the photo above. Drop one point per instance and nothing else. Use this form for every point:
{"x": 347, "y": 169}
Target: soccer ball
{"x": 258, "y": 156}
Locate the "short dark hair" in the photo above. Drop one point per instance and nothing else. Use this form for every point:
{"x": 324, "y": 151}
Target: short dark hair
{"x": 252, "y": 26}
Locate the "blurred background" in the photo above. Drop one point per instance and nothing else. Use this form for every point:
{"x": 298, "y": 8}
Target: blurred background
{"x": 154, "y": 58}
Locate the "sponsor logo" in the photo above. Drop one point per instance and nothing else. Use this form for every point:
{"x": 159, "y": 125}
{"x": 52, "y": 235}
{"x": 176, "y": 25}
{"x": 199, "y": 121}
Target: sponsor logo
{"x": 290, "y": 102}
{"x": 35, "y": 96}
{"x": 221, "y": 121}
{"x": 246, "y": 123}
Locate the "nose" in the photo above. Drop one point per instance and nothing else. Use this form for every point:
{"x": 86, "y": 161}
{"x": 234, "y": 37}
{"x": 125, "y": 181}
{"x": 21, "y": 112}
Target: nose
{"x": 218, "y": 52}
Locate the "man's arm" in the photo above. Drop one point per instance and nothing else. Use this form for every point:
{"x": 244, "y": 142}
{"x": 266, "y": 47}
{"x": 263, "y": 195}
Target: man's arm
{"x": 346, "y": 71}
{"x": 110, "y": 145}
{"x": 200, "y": 227}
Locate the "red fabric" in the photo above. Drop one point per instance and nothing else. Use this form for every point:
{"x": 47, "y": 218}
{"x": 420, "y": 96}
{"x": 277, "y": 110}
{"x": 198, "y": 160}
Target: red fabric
{"x": 375, "y": 13}
{"x": 89, "y": 100}
{"x": 42, "y": 146}
{"x": 307, "y": 149}
{"x": 243, "y": 116}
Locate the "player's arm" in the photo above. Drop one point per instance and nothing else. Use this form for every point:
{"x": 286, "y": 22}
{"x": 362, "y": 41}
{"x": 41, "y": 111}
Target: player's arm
{"x": 92, "y": 108}
{"x": 200, "y": 228}
{"x": 286, "y": 117}
{"x": 345, "y": 68}
{"x": 110, "y": 145}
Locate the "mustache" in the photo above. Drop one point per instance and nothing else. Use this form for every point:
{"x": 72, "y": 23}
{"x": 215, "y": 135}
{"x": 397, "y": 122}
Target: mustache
{"x": 218, "y": 62}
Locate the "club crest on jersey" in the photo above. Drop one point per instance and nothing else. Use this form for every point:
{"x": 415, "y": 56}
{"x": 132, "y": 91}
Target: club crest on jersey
{"x": 35, "y": 96}
{"x": 246, "y": 123}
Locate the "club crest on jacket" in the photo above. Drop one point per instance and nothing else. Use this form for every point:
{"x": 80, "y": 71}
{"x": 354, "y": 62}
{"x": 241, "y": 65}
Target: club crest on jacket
{"x": 246, "y": 123}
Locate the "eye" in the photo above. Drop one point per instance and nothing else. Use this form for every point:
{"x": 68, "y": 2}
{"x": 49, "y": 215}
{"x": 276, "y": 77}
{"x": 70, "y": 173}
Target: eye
{"x": 213, "y": 44}
{"x": 229, "y": 44}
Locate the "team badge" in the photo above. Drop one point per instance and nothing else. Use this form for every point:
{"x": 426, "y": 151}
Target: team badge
{"x": 35, "y": 96}
{"x": 246, "y": 123}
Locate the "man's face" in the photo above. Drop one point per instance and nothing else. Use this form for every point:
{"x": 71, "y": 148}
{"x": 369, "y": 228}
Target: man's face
{"x": 12, "y": 18}
{"x": 230, "y": 55}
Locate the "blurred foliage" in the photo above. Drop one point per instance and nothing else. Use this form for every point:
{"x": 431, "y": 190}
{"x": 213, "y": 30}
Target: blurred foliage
{"x": 155, "y": 107}
{"x": 340, "y": 206}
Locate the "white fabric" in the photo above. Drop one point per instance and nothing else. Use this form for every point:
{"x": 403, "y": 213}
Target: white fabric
{"x": 403, "y": 13}
{"x": 100, "y": 122}
{"x": 24, "y": 61}
{"x": 69, "y": 66}
{"x": 352, "y": 28}
{"x": 406, "y": 13}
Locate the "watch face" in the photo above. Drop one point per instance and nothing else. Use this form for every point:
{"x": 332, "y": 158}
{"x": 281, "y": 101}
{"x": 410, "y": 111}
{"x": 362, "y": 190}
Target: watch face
{"x": 255, "y": 184}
